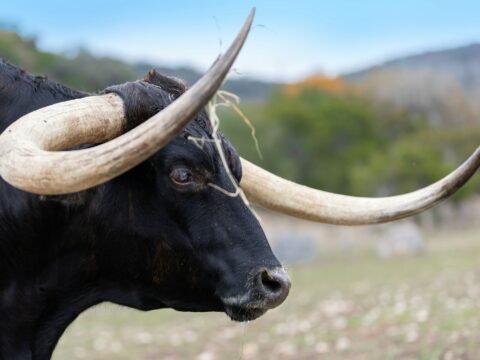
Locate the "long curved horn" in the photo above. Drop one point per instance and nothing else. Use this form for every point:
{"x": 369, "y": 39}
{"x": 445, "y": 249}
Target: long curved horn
{"x": 275, "y": 193}
{"x": 28, "y": 156}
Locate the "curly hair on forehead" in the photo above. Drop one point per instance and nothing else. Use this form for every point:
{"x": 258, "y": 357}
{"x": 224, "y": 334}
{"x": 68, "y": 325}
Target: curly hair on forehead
{"x": 176, "y": 87}
{"x": 171, "y": 84}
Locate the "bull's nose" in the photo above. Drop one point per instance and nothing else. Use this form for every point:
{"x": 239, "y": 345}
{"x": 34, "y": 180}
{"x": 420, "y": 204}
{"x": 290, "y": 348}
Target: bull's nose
{"x": 273, "y": 285}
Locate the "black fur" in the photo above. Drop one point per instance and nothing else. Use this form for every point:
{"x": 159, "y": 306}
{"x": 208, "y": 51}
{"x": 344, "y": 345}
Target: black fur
{"x": 138, "y": 240}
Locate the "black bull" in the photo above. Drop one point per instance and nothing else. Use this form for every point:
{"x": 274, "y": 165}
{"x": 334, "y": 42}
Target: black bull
{"x": 156, "y": 237}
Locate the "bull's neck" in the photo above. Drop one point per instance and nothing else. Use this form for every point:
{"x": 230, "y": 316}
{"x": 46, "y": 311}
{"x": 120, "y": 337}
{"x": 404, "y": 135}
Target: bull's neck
{"x": 44, "y": 284}
{"x": 51, "y": 270}
{"x": 31, "y": 330}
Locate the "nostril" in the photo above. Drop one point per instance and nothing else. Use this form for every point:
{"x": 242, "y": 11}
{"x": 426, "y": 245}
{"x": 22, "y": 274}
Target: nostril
{"x": 270, "y": 283}
{"x": 274, "y": 285}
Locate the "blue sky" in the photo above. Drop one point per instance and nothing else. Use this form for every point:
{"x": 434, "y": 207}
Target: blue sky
{"x": 290, "y": 39}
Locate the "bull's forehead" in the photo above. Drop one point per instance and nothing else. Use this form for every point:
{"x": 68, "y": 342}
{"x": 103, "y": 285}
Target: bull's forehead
{"x": 200, "y": 127}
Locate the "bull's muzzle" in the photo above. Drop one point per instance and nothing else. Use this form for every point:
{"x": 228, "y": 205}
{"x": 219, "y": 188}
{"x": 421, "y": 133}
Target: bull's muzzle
{"x": 267, "y": 288}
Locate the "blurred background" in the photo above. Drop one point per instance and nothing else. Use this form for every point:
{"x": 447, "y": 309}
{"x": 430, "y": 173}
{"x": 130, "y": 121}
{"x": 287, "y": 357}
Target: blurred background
{"x": 368, "y": 98}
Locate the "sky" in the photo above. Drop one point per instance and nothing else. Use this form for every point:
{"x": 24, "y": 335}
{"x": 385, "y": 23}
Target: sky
{"x": 289, "y": 40}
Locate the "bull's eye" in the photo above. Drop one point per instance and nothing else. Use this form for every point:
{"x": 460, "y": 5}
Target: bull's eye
{"x": 181, "y": 176}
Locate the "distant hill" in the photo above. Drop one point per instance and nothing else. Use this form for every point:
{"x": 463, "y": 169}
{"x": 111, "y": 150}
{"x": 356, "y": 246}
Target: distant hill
{"x": 87, "y": 72}
{"x": 443, "y": 86}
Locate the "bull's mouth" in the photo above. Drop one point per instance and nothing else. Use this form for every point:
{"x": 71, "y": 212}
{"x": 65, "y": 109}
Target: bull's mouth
{"x": 244, "y": 308}
{"x": 242, "y": 313}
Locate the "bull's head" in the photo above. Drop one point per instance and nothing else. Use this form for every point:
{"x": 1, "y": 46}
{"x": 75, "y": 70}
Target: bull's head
{"x": 203, "y": 249}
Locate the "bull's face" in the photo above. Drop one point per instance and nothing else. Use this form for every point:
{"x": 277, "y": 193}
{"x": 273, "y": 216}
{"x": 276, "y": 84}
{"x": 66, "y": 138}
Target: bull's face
{"x": 224, "y": 261}
{"x": 206, "y": 250}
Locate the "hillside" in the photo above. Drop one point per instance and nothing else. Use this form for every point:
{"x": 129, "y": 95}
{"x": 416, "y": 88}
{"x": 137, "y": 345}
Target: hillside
{"x": 90, "y": 73}
{"x": 442, "y": 86}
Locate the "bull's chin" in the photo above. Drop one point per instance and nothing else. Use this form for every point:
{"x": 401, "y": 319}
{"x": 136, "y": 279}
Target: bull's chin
{"x": 240, "y": 313}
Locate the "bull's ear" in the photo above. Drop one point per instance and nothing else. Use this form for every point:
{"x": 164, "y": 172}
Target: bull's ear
{"x": 170, "y": 84}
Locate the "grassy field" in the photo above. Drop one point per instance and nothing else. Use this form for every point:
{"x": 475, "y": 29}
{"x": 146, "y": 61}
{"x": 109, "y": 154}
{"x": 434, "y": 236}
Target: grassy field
{"x": 343, "y": 306}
